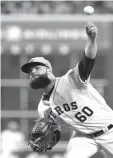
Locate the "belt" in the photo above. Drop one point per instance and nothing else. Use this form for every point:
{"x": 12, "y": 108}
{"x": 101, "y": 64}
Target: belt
{"x": 100, "y": 132}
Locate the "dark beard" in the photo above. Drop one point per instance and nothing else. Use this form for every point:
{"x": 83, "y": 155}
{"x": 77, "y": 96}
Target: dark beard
{"x": 40, "y": 82}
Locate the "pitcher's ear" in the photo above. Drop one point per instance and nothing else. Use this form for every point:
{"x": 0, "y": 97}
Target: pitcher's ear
{"x": 49, "y": 70}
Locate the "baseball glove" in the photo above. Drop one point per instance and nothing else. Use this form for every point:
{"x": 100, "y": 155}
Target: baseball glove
{"x": 45, "y": 134}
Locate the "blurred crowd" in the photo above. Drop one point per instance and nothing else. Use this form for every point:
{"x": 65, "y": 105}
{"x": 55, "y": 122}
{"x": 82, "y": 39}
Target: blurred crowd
{"x": 54, "y": 7}
{"x": 14, "y": 144}
{"x": 12, "y": 140}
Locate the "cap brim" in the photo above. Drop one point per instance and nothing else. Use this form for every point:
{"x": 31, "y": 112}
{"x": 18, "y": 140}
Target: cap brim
{"x": 26, "y": 67}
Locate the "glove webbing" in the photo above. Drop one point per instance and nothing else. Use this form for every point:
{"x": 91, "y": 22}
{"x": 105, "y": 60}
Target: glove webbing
{"x": 36, "y": 130}
{"x": 43, "y": 144}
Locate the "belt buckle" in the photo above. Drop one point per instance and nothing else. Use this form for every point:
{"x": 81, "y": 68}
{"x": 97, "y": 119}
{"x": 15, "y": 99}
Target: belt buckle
{"x": 105, "y": 129}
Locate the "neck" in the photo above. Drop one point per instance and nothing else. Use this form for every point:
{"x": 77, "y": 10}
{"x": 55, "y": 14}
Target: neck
{"x": 49, "y": 87}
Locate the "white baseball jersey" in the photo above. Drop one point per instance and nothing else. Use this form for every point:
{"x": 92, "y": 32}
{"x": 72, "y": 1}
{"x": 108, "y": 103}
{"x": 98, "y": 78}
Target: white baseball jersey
{"x": 77, "y": 103}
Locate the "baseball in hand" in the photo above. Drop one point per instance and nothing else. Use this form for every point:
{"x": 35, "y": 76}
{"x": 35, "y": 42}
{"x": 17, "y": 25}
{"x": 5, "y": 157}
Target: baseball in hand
{"x": 88, "y": 10}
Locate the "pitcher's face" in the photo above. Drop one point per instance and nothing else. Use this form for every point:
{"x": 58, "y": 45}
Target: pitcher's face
{"x": 39, "y": 77}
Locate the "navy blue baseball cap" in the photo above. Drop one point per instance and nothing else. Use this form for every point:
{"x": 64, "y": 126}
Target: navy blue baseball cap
{"x": 35, "y": 62}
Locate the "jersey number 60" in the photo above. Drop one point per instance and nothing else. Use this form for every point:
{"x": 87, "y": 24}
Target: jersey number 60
{"x": 81, "y": 117}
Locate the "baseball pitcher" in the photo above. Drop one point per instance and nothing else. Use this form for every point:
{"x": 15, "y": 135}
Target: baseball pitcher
{"x": 75, "y": 101}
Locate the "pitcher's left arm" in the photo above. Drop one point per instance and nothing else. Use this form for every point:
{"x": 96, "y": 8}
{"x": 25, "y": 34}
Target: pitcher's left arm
{"x": 81, "y": 72}
{"x": 86, "y": 64}
{"x": 91, "y": 45}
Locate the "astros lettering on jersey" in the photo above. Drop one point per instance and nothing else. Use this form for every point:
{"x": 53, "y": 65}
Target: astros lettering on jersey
{"x": 77, "y": 103}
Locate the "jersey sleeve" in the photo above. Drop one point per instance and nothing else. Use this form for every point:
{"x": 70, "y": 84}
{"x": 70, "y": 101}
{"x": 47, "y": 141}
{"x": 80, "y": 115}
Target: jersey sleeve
{"x": 85, "y": 66}
{"x": 43, "y": 110}
{"x": 80, "y": 75}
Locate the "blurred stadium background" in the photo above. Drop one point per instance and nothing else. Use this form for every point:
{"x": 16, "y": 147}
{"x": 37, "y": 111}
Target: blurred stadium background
{"x": 55, "y": 30}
